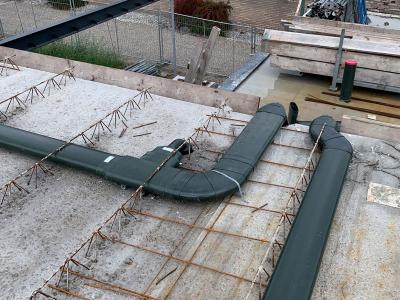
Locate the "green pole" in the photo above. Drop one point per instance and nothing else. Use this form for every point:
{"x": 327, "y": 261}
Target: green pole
{"x": 302, "y": 7}
{"x": 348, "y": 80}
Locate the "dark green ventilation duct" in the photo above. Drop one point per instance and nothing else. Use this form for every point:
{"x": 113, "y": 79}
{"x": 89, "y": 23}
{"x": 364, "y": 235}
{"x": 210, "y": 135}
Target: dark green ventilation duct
{"x": 232, "y": 169}
{"x": 298, "y": 264}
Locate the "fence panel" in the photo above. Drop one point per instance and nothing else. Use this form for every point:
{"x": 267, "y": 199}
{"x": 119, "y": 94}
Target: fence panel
{"x": 26, "y": 15}
{"x": 141, "y": 34}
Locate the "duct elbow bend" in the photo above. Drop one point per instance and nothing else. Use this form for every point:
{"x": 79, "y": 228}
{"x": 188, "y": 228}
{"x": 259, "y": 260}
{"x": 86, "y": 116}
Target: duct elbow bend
{"x": 330, "y": 137}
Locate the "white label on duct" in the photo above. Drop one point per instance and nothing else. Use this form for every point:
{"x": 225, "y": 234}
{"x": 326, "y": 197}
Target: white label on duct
{"x": 168, "y": 149}
{"x": 108, "y": 159}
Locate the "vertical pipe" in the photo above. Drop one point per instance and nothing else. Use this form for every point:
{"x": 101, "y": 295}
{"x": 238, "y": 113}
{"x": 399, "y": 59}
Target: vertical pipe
{"x": 293, "y": 113}
{"x": 348, "y": 80}
{"x": 172, "y": 11}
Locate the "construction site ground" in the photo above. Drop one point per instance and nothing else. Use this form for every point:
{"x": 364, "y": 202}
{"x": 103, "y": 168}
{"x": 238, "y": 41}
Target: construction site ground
{"x": 174, "y": 249}
{"x": 273, "y": 84}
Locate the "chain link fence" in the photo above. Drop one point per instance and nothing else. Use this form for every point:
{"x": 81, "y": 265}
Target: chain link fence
{"x": 140, "y": 35}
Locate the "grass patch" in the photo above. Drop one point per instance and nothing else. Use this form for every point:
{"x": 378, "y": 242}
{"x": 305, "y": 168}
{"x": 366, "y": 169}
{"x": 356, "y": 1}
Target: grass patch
{"x": 88, "y": 52}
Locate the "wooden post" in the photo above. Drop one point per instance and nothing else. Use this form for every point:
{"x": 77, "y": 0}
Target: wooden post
{"x": 199, "y": 62}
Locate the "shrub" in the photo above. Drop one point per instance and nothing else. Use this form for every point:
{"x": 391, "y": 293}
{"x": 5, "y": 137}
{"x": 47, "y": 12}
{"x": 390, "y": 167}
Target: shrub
{"x": 186, "y": 7}
{"x": 90, "y": 52}
{"x": 217, "y": 11}
{"x": 66, "y": 4}
{"x": 204, "y": 9}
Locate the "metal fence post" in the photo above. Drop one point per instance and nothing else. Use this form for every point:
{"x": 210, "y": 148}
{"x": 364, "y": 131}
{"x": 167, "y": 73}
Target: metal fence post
{"x": 33, "y": 13}
{"x": 72, "y": 7}
{"x": 233, "y": 54}
{"x": 172, "y": 11}
{"x": 253, "y": 40}
{"x": 339, "y": 54}
{"x": 2, "y": 33}
{"x": 19, "y": 16}
{"x": 116, "y": 35}
{"x": 160, "y": 37}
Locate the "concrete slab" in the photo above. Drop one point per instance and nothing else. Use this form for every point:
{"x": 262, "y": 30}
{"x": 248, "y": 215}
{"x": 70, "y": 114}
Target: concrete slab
{"x": 361, "y": 259}
{"x": 172, "y": 249}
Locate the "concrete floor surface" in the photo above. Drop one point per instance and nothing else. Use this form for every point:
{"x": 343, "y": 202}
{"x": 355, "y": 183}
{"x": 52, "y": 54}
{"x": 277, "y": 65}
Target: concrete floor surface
{"x": 172, "y": 249}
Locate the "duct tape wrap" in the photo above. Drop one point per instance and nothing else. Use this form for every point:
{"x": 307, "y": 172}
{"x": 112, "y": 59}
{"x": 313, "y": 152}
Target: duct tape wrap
{"x": 233, "y": 180}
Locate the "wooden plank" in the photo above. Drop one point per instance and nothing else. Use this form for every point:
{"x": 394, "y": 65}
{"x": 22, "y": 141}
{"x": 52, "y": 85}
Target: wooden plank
{"x": 345, "y": 25}
{"x": 389, "y": 49}
{"x": 326, "y": 69}
{"x": 239, "y": 102}
{"x": 378, "y": 101}
{"x": 352, "y": 107}
{"x": 370, "y": 128}
{"x": 199, "y": 63}
{"x": 365, "y": 60}
{"x": 372, "y": 101}
{"x": 336, "y": 31}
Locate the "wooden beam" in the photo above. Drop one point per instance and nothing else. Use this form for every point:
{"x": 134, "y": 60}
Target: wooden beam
{"x": 365, "y": 60}
{"x": 335, "y": 32}
{"x": 370, "y": 128}
{"x": 199, "y": 63}
{"x": 380, "y": 102}
{"x": 345, "y": 25}
{"x": 353, "y": 107}
{"x": 390, "y": 49}
{"x": 326, "y": 69}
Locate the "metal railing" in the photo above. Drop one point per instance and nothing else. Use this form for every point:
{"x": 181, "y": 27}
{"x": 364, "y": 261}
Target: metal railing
{"x": 141, "y": 35}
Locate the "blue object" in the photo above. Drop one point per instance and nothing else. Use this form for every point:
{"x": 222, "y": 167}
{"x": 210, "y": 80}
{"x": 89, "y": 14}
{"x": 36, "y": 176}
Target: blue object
{"x": 362, "y": 17}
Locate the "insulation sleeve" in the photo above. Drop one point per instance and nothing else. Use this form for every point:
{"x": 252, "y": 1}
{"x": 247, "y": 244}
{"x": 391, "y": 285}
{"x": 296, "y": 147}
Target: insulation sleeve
{"x": 238, "y": 161}
{"x": 298, "y": 264}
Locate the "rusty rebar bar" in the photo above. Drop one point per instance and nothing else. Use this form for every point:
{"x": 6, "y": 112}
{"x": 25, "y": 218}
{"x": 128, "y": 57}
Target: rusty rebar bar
{"x": 7, "y": 63}
{"x": 290, "y": 205}
{"x": 16, "y": 102}
{"x": 38, "y": 165}
{"x": 129, "y": 202}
